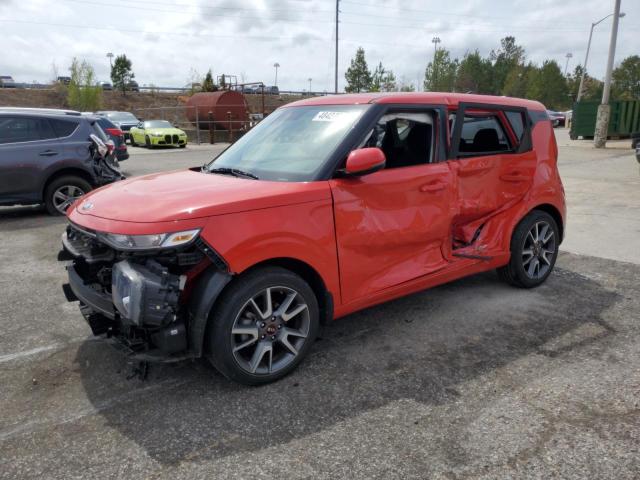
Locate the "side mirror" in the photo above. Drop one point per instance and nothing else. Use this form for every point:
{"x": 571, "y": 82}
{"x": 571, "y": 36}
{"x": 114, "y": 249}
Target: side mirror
{"x": 102, "y": 148}
{"x": 364, "y": 161}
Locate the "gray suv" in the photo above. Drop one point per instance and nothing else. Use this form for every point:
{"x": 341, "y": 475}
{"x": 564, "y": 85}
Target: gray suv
{"x": 50, "y": 158}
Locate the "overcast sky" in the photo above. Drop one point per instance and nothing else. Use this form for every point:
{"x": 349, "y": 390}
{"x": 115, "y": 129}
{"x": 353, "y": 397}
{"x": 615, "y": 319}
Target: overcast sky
{"x": 167, "y": 40}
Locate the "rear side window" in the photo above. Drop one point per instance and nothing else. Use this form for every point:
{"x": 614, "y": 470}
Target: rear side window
{"x": 63, "y": 128}
{"x": 19, "y": 129}
{"x": 517, "y": 124}
{"x": 482, "y": 135}
{"x": 99, "y": 132}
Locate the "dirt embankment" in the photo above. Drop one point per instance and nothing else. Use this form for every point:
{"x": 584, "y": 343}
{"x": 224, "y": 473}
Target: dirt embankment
{"x": 132, "y": 101}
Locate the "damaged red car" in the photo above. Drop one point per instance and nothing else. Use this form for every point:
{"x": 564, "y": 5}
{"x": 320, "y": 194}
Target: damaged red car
{"x": 328, "y": 206}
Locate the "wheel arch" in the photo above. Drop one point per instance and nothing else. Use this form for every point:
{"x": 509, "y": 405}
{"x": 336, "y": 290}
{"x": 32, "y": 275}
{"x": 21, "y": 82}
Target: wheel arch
{"x": 212, "y": 283}
{"x": 554, "y": 212}
{"x": 63, "y": 172}
{"x": 309, "y": 275}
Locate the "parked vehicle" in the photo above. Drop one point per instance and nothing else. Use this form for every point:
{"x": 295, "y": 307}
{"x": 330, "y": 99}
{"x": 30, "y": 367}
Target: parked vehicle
{"x": 50, "y": 158}
{"x": 635, "y": 143}
{"x": 7, "y": 81}
{"x": 157, "y": 133}
{"x": 558, "y": 119}
{"x": 64, "y": 80}
{"x": 273, "y": 90}
{"x": 123, "y": 120}
{"x": 105, "y": 86}
{"x": 132, "y": 86}
{"x": 328, "y": 206}
{"x": 115, "y": 134}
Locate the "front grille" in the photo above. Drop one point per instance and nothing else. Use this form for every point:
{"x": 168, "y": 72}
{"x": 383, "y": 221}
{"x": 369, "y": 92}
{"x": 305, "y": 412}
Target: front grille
{"x": 167, "y": 138}
{"x": 176, "y": 138}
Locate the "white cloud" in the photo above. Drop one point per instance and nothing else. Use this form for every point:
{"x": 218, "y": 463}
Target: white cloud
{"x": 166, "y": 39}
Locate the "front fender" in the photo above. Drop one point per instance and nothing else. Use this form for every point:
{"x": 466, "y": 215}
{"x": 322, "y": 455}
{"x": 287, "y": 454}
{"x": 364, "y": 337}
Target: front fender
{"x": 208, "y": 286}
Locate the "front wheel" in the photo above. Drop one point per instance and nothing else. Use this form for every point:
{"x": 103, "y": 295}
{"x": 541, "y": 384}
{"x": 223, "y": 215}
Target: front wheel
{"x": 263, "y": 326}
{"x": 534, "y": 250}
{"x": 147, "y": 141}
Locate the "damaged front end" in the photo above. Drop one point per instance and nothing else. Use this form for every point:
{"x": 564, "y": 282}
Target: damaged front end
{"x": 139, "y": 297}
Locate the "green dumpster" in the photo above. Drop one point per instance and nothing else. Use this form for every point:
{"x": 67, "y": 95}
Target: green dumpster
{"x": 625, "y": 118}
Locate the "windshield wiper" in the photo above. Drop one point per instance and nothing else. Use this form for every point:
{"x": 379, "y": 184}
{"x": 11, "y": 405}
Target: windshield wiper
{"x": 233, "y": 171}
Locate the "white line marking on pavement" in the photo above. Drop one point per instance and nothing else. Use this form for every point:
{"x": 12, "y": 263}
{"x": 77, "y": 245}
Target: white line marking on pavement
{"x": 9, "y": 357}
{"x": 32, "y": 426}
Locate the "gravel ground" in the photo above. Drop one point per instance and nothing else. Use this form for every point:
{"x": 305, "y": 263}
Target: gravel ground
{"x": 473, "y": 379}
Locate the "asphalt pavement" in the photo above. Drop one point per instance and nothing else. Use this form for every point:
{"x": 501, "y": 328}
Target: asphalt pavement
{"x": 473, "y": 379}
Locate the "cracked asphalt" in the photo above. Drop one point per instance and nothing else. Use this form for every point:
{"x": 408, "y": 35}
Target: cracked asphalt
{"x": 469, "y": 380}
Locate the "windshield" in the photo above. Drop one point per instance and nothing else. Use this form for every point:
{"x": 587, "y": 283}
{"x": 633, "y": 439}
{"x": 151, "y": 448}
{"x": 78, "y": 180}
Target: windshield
{"x": 292, "y": 144}
{"x": 122, "y": 117}
{"x": 157, "y": 124}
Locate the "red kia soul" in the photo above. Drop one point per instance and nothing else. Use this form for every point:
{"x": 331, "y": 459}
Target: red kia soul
{"x": 328, "y": 206}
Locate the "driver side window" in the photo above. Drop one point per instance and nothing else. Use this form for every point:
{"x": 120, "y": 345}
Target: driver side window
{"x": 405, "y": 137}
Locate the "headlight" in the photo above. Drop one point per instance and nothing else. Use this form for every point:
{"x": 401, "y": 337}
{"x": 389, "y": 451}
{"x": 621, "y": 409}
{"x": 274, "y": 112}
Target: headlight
{"x": 149, "y": 242}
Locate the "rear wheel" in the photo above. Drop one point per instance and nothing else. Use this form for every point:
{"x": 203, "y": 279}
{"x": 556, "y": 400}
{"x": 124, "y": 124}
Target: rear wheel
{"x": 62, "y": 192}
{"x": 534, "y": 250}
{"x": 263, "y": 326}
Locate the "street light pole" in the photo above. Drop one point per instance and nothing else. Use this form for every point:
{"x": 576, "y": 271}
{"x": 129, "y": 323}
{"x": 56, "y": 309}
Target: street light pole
{"x": 310, "y": 79}
{"x": 566, "y": 66}
{"x": 276, "y": 66}
{"x": 435, "y": 41}
{"x": 604, "y": 109}
{"x": 586, "y": 56}
{"x": 336, "y": 67}
{"x": 110, "y": 56}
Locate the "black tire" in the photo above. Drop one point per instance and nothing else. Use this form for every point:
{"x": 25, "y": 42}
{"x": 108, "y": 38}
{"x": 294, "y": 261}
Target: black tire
{"x": 147, "y": 141}
{"x": 132, "y": 142}
{"x": 229, "y": 310}
{"x": 518, "y": 271}
{"x": 74, "y": 184}
{"x": 183, "y": 145}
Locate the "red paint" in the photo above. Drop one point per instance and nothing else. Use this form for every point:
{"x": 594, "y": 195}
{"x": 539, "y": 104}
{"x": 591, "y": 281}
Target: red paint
{"x": 370, "y": 238}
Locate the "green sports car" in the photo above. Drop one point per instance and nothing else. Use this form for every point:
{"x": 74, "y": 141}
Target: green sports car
{"x": 154, "y": 133}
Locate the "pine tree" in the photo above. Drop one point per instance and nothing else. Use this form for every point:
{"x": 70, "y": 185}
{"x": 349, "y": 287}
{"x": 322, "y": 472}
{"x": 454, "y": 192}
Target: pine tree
{"x": 121, "y": 73}
{"x": 358, "y": 75}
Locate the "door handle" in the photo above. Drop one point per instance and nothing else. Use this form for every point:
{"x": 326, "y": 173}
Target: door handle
{"x": 433, "y": 187}
{"x": 48, "y": 153}
{"x": 514, "y": 177}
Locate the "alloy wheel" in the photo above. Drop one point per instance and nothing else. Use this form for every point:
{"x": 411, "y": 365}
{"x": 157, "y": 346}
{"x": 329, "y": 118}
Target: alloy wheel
{"x": 65, "y": 195}
{"x": 270, "y": 330}
{"x": 538, "y": 250}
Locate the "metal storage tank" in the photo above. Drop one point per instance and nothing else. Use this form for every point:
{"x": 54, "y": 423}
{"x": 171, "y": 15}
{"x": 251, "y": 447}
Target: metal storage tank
{"x": 220, "y": 104}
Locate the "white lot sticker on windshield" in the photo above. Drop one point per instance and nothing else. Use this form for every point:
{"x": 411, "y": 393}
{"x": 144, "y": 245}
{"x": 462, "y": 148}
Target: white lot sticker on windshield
{"x": 328, "y": 116}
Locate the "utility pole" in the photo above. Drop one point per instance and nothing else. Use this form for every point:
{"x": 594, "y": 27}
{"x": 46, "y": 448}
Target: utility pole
{"x": 276, "y": 66}
{"x": 604, "y": 109}
{"x": 566, "y": 66}
{"x": 336, "y": 69}
{"x": 310, "y": 79}
{"x": 586, "y": 56}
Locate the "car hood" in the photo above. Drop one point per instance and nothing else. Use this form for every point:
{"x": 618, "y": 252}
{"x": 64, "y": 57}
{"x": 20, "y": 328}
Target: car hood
{"x": 189, "y": 194}
{"x": 164, "y": 131}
